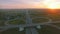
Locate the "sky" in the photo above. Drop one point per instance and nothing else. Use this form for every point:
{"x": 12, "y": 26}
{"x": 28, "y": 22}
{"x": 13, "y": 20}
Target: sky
{"x": 18, "y": 4}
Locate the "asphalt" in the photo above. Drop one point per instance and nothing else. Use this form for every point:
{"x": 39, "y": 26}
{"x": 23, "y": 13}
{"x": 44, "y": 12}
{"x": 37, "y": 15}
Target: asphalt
{"x": 28, "y": 23}
{"x": 28, "y": 31}
{"x": 34, "y": 31}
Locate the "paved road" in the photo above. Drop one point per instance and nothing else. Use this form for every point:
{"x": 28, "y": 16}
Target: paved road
{"x": 53, "y": 26}
{"x": 28, "y": 31}
{"x": 34, "y": 31}
{"x": 6, "y": 23}
{"x": 55, "y": 22}
{"x": 28, "y": 23}
{"x": 22, "y": 25}
{"x": 28, "y": 19}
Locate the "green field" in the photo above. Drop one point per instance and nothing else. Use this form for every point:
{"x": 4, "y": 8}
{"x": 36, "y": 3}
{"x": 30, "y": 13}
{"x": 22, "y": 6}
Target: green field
{"x": 17, "y": 21}
{"x": 36, "y": 14}
{"x": 39, "y": 20}
{"x": 39, "y": 14}
{"x": 12, "y": 15}
{"x": 48, "y": 30}
{"x": 2, "y": 23}
{"x": 55, "y": 17}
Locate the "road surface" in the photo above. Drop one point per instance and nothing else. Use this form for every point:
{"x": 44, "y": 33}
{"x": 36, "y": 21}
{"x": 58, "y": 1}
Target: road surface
{"x": 28, "y": 23}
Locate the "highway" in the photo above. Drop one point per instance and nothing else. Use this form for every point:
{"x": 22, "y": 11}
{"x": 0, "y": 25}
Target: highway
{"x": 53, "y": 26}
{"x": 24, "y": 25}
{"x": 28, "y": 31}
{"x": 28, "y": 23}
{"x": 34, "y": 31}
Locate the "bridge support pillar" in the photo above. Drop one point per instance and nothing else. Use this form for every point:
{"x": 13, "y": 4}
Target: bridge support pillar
{"x": 21, "y": 28}
{"x": 38, "y": 26}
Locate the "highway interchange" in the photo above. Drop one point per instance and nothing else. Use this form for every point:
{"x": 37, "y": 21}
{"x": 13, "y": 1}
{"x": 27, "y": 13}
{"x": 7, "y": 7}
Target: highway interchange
{"x": 29, "y": 24}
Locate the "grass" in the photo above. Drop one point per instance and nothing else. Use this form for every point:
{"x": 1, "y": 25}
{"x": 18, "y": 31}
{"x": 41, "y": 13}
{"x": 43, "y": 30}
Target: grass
{"x": 48, "y": 30}
{"x": 13, "y": 31}
{"x": 12, "y": 15}
{"x": 17, "y": 21}
{"x": 2, "y": 23}
{"x": 39, "y": 20}
{"x": 55, "y": 17}
{"x": 38, "y": 15}
{"x": 35, "y": 15}
{"x": 21, "y": 20}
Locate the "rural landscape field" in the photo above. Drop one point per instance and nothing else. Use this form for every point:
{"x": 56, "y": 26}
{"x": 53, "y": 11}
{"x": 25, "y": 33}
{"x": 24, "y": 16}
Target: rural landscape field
{"x": 24, "y": 21}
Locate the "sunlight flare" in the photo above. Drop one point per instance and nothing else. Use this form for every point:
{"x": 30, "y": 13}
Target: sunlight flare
{"x": 51, "y": 4}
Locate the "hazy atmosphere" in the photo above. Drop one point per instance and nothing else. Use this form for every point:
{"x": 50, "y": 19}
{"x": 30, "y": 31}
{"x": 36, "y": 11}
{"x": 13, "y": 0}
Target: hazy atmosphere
{"x": 29, "y": 16}
{"x": 29, "y": 4}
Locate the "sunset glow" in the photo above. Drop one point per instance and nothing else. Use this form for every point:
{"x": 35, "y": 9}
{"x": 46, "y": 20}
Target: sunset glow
{"x": 52, "y": 4}
{"x": 17, "y": 4}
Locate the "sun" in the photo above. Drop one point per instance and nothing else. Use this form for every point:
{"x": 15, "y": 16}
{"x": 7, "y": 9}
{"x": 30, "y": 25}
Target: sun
{"x": 51, "y": 4}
